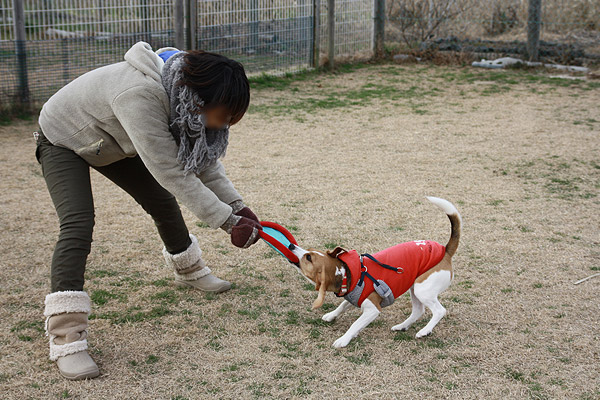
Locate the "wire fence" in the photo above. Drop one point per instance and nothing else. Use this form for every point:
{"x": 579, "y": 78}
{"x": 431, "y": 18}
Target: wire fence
{"x": 265, "y": 36}
{"x": 63, "y": 39}
{"x": 353, "y": 27}
{"x": 45, "y": 44}
{"x": 277, "y": 36}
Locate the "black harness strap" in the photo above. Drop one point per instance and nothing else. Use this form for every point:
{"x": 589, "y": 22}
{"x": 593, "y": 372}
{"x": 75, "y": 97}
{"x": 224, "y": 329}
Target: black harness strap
{"x": 365, "y": 273}
{"x": 380, "y": 286}
{"x": 370, "y": 257}
{"x": 362, "y": 278}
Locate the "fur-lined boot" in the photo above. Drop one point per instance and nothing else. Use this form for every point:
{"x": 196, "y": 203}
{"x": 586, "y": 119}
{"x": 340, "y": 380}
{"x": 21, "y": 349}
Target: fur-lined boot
{"x": 66, "y": 325}
{"x": 191, "y": 271}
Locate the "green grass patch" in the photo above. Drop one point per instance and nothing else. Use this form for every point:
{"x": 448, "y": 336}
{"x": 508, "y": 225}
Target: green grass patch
{"x": 168, "y": 296}
{"x": 282, "y": 82}
{"x": 37, "y": 326}
{"x": 292, "y": 317}
{"x": 102, "y": 273}
{"x": 152, "y": 359}
{"x": 251, "y": 314}
{"x": 403, "y": 336}
{"x": 133, "y": 315}
{"x": 515, "y": 375}
{"x": 162, "y": 282}
{"x": 101, "y": 296}
{"x": 309, "y": 103}
{"x": 246, "y": 290}
{"x": 362, "y": 358}
{"x": 560, "y": 178}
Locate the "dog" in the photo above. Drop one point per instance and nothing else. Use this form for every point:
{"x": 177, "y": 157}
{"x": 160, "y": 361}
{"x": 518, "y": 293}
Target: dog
{"x": 372, "y": 282}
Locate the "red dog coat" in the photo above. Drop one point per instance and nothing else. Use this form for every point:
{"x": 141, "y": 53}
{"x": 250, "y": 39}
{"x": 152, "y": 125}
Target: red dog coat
{"x": 411, "y": 258}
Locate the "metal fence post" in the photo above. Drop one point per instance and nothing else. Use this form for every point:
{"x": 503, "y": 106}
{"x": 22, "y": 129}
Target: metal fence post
{"x": 193, "y": 24}
{"x": 20, "y": 38}
{"x": 379, "y": 28}
{"x": 190, "y": 24}
{"x": 100, "y": 12}
{"x": 533, "y": 29}
{"x": 146, "y": 23}
{"x": 331, "y": 31}
{"x": 178, "y": 22}
{"x": 316, "y": 27}
{"x": 253, "y": 25}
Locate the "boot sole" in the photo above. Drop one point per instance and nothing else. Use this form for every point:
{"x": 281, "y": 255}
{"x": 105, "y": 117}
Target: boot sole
{"x": 80, "y": 377}
{"x": 184, "y": 284}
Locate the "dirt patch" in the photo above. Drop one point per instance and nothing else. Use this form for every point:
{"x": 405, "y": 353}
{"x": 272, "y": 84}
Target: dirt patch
{"x": 342, "y": 160}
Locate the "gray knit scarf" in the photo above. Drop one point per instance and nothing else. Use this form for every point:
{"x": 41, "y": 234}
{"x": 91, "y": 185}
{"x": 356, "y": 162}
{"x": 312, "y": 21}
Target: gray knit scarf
{"x": 199, "y": 147}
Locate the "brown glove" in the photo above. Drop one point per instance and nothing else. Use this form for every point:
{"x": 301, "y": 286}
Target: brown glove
{"x": 243, "y": 231}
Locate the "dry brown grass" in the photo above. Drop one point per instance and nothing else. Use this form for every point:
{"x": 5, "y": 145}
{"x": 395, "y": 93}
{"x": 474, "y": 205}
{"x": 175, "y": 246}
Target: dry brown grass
{"x": 342, "y": 159}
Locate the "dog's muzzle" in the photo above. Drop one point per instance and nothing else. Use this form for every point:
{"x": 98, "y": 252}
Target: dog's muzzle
{"x": 298, "y": 251}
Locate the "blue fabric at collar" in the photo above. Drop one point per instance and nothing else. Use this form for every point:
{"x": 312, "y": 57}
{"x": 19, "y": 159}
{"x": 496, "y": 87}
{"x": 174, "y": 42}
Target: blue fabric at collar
{"x": 166, "y": 54}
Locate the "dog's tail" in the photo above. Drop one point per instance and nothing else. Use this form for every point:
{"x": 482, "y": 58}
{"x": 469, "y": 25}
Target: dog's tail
{"x": 455, "y": 222}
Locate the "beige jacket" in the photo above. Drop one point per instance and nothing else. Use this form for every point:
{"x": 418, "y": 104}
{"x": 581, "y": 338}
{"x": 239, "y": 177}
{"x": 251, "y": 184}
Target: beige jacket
{"x": 121, "y": 110}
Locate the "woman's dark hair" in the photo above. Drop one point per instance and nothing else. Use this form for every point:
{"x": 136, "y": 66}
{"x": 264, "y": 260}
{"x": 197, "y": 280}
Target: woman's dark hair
{"x": 218, "y": 80}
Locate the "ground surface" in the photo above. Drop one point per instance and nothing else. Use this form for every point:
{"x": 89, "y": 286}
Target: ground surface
{"x": 342, "y": 160}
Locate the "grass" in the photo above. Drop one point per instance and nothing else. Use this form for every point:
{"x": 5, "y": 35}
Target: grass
{"x": 168, "y": 296}
{"x": 502, "y": 82}
{"x": 312, "y": 98}
{"x": 285, "y": 82}
{"x": 132, "y": 315}
{"x": 561, "y": 178}
{"x": 15, "y": 111}
{"x": 351, "y": 175}
{"x": 152, "y": 359}
{"x": 102, "y": 273}
{"x": 101, "y": 296}
{"x": 348, "y": 99}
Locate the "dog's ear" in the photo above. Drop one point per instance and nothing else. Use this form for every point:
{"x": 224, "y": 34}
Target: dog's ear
{"x": 321, "y": 287}
{"x": 335, "y": 252}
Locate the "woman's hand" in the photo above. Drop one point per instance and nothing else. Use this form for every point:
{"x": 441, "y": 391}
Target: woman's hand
{"x": 243, "y": 227}
{"x": 245, "y": 233}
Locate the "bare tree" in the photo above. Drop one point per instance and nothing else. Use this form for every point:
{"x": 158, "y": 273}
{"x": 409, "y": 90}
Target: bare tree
{"x": 419, "y": 20}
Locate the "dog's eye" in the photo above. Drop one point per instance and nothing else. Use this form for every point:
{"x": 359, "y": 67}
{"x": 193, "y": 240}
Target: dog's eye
{"x": 308, "y": 258}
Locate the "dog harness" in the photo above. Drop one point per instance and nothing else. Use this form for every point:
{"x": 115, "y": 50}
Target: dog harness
{"x": 391, "y": 272}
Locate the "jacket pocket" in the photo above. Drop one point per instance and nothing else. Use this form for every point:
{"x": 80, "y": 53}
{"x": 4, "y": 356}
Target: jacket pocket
{"x": 100, "y": 153}
{"x": 93, "y": 149}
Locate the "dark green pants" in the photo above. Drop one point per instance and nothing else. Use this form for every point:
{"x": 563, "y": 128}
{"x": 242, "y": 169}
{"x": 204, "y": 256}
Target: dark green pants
{"x": 68, "y": 179}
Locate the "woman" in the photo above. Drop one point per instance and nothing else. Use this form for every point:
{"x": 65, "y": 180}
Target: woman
{"x": 155, "y": 124}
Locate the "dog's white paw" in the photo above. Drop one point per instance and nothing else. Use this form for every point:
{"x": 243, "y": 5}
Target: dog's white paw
{"x": 423, "y": 332}
{"x": 341, "y": 342}
{"x": 399, "y": 327}
{"x": 330, "y": 316}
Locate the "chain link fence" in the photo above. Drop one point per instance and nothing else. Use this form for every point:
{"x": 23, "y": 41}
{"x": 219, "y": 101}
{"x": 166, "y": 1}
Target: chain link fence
{"x": 353, "y": 29}
{"x": 265, "y": 36}
{"x": 44, "y": 44}
{"x": 65, "y": 39}
{"x": 60, "y": 40}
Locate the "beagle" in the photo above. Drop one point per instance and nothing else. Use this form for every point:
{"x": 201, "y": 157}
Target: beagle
{"x": 372, "y": 282}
